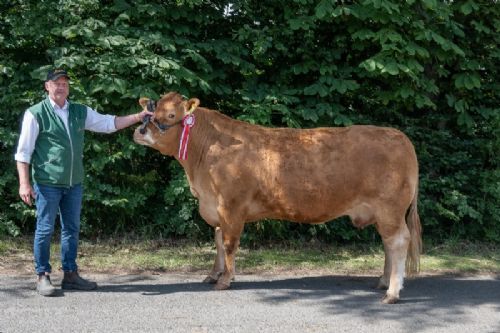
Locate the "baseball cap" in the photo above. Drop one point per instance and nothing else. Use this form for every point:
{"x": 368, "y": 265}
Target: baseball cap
{"x": 54, "y": 74}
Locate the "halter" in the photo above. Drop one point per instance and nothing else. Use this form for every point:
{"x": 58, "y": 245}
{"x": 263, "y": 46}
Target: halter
{"x": 151, "y": 107}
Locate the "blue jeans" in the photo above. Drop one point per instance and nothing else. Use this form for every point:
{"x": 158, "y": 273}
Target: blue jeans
{"x": 51, "y": 200}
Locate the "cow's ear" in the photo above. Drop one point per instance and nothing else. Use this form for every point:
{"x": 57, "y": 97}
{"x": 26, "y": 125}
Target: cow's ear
{"x": 191, "y": 105}
{"x": 143, "y": 101}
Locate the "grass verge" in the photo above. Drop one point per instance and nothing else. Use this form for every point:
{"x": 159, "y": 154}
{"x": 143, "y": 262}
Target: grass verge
{"x": 139, "y": 256}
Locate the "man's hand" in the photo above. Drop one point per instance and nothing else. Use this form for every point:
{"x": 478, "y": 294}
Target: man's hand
{"x": 140, "y": 116}
{"x": 25, "y": 190}
{"x": 26, "y": 193}
{"x": 126, "y": 121}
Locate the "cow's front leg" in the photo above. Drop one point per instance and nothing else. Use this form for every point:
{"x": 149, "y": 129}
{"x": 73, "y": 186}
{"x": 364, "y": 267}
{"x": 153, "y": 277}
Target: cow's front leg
{"x": 218, "y": 267}
{"x": 231, "y": 238}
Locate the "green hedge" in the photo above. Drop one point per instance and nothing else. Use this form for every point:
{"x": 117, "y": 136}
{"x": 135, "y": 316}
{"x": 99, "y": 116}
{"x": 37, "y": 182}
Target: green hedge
{"x": 427, "y": 67}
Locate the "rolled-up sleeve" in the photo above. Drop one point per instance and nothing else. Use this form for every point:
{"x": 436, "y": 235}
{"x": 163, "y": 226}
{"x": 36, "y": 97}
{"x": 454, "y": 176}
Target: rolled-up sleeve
{"x": 101, "y": 123}
{"x": 27, "y": 138}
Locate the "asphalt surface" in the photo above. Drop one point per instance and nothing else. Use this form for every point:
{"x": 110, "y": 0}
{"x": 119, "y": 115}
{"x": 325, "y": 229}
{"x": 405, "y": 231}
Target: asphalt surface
{"x": 255, "y": 303}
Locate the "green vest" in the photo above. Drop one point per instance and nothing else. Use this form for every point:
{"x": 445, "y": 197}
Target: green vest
{"x": 58, "y": 158}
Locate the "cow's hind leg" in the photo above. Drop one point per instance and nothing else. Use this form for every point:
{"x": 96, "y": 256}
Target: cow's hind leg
{"x": 383, "y": 282}
{"x": 231, "y": 236}
{"x": 396, "y": 238}
{"x": 218, "y": 267}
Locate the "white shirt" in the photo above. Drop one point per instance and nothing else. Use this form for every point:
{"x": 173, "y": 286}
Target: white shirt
{"x": 94, "y": 122}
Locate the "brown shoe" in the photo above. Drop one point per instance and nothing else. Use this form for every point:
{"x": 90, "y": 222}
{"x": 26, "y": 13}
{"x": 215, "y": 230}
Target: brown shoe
{"x": 74, "y": 281}
{"x": 44, "y": 287}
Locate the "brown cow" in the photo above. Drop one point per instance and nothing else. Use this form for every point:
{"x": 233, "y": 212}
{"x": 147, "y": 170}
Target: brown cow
{"x": 242, "y": 173}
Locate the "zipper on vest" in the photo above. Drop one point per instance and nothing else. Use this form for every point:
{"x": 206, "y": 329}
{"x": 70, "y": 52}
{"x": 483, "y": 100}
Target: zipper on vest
{"x": 72, "y": 153}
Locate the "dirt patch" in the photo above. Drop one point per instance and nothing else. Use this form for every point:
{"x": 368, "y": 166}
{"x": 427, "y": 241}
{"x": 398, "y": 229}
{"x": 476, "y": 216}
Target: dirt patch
{"x": 16, "y": 263}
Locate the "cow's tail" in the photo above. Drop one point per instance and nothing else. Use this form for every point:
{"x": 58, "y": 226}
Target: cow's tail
{"x": 415, "y": 246}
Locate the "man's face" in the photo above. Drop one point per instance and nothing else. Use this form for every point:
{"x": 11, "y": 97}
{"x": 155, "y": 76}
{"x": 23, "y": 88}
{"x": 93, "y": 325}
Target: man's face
{"x": 58, "y": 89}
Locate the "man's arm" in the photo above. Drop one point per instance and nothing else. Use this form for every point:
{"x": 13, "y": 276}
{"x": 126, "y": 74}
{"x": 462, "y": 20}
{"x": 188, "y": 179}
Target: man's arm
{"x": 105, "y": 123}
{"x": 25, "y": 190}
{"x": 25, "y": 148}
{"x": 126, "y": 121}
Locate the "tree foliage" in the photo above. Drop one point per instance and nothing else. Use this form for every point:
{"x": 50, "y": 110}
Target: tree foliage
{"x": 428, "y": 67}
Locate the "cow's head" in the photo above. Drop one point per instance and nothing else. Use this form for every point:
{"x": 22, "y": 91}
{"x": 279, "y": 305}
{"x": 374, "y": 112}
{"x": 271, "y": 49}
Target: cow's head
{"x": 162, "y": 131}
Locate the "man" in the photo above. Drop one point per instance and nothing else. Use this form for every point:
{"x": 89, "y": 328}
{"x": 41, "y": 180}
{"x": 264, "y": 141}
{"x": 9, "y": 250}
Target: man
{"x": 51, "y": 141}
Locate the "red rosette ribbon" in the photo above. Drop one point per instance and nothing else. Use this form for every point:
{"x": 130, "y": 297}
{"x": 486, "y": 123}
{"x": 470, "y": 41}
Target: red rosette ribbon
{"x": 187, "y": 123}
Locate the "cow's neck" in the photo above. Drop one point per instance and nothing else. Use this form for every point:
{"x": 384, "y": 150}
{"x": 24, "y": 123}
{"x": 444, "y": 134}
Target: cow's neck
{"x": 200, "y": 139}
{"x": 211, "y": 129}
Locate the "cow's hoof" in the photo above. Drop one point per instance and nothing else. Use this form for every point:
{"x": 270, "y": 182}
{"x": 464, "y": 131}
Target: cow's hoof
{"x": 210, "y": 280}
{"x": 390, "y": 299}
{"x": 382, "y": 286}
{"x": 382, "y": 283}
{"x": 221, "y": 286}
